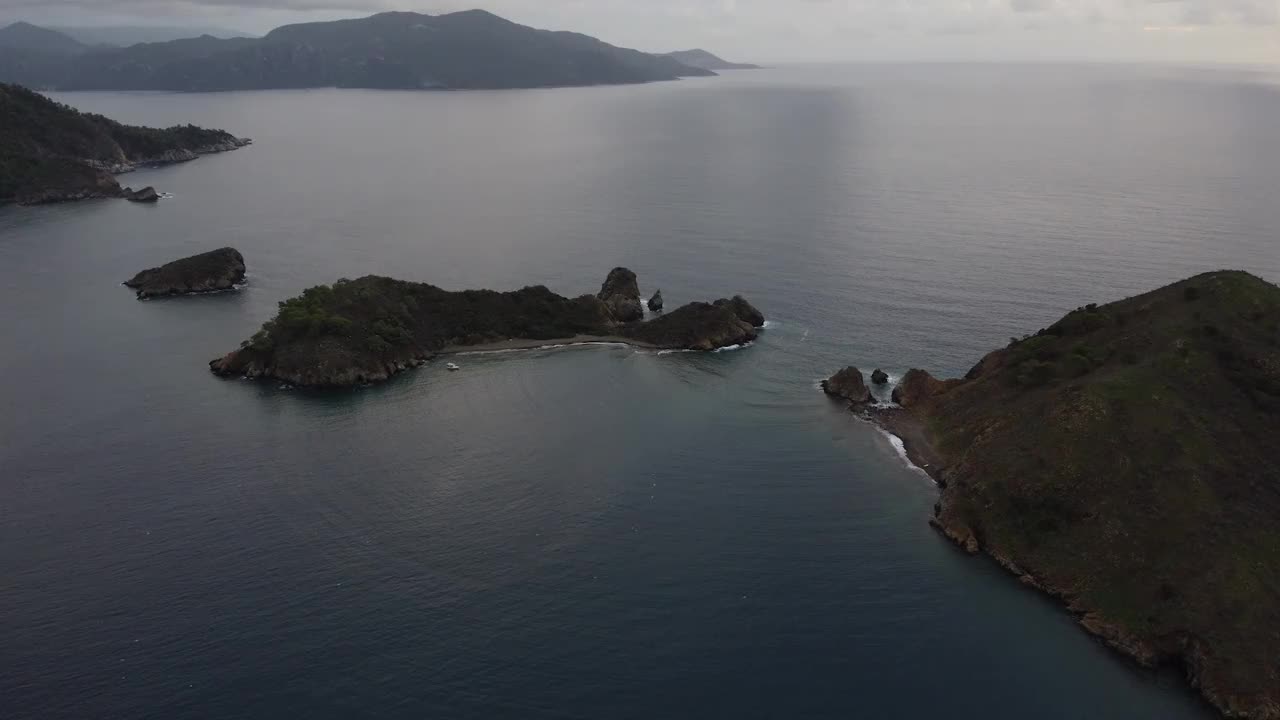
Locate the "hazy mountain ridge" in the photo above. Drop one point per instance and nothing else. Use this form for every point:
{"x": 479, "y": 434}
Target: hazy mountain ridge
{"x": 473, "y": 49}
{"x": 700, "y": 58}
{"x": 126, "y": 35}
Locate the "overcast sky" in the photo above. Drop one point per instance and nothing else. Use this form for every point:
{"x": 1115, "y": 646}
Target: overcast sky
{"x": 790, "y": 30}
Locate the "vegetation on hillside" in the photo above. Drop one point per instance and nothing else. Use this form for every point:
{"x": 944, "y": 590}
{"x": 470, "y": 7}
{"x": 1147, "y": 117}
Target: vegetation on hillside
{"x": 52, "y": 151}
{"x": 1128, "y": 458}
{"x": 364, "y": 330}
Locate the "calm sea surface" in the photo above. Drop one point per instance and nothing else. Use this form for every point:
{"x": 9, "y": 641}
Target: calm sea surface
{"x": 590, "y": 533}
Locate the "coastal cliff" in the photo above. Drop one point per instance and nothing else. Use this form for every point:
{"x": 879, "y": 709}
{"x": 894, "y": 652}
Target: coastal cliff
{"x": 1125, "y": 460}
{"x": 367, "y": 330}
{"x": 51, "y": 153}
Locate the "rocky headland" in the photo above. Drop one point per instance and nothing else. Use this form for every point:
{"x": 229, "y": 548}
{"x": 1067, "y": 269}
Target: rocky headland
{"x": 1125, "y": 460}
{"x": 214, "y": 271}
{"x": 356, "y": 332}
{"x": 51, "y": 153}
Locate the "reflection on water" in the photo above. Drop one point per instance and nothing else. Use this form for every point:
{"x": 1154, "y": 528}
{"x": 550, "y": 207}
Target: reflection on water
{"x": 586, "y": 532}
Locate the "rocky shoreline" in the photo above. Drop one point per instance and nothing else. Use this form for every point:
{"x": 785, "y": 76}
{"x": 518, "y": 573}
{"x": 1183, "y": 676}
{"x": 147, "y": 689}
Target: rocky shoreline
{"x": 175, "y": 156}
{"x": 910, "y": 429}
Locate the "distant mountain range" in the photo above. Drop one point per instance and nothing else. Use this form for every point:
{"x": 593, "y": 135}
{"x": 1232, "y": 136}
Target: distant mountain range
{"x": 126, "y": 35}
{"x": 700, "y": 58}
{"x": 395, "y": 50}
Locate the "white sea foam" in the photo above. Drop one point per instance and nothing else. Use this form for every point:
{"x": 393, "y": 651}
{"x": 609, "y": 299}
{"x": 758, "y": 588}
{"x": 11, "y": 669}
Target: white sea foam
{"x": 769, "y": 325}
{"x": 731, "y": 348}
{"x": 901, "y": 449}
{"x": 560, "y": 346}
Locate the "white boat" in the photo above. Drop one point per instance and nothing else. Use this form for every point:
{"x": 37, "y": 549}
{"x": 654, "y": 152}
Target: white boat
{"x": 452, "y": 368}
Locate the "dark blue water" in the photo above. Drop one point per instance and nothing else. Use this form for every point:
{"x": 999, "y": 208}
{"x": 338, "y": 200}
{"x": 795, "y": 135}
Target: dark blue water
{"x": 591, "y": 533}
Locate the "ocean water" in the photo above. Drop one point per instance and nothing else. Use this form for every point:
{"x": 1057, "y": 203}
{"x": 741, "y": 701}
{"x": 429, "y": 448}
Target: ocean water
{"x": 593, "y": 532}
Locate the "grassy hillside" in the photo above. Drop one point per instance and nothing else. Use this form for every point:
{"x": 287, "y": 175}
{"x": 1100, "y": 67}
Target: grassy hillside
{"x": 1127, "y": 458}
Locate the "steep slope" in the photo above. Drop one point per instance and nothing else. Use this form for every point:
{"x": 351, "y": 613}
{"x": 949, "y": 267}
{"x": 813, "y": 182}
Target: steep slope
{"x": 395, "y": 50}
{"x": 50, "y": 152}
{"x": 700, "y": 58}
{"x": 1127, "y": 460}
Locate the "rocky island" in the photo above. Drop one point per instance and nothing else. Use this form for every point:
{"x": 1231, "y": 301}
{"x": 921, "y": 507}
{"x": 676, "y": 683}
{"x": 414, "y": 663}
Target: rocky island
{"x": 50, "y": 152}
{"x": 363, "y": 331}
{"x": 214, "y": 271}
{"x": 1126, "y": 460}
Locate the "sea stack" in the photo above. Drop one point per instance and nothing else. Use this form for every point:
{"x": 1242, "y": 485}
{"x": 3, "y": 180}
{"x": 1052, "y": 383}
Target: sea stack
{"x": 848, "y": 384}
{"x": 879, "y": 377}
{"x": 213, "y": 271}
{"x": 621, "y": 295}
{"x": 655, "y": 302}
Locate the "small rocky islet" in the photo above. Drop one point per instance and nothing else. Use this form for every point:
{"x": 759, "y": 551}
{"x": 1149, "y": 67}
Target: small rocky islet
{"x": 1125, "y": 461}
{"x": 357, "y": 332}
{"x": 214, "y": 271}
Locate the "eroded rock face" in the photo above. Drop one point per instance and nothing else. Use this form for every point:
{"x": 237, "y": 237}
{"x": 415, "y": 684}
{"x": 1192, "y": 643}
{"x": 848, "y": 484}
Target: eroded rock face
{"x": 879, "y": 377}
{"x": 656, "y": 302}
{"x": 208, "y": 272}
{"x": 745, "y": 311}
{"x": 621, "y": 294}
{"x": 849, "y": 385}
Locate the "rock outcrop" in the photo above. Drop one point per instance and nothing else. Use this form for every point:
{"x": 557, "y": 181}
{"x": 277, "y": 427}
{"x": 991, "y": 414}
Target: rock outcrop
{"x": 367, "y": 330}
{"x": 147, "y": 194}
{"x": 848, "y": 384}
{"x": 918, "y": 387}
{"x": 213, "y": 271}
{"x": 621, "y": 295}
{"x": 879, "y": 377}
{"x": 744, "y": 310}
{"x": 656, "y": 302}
